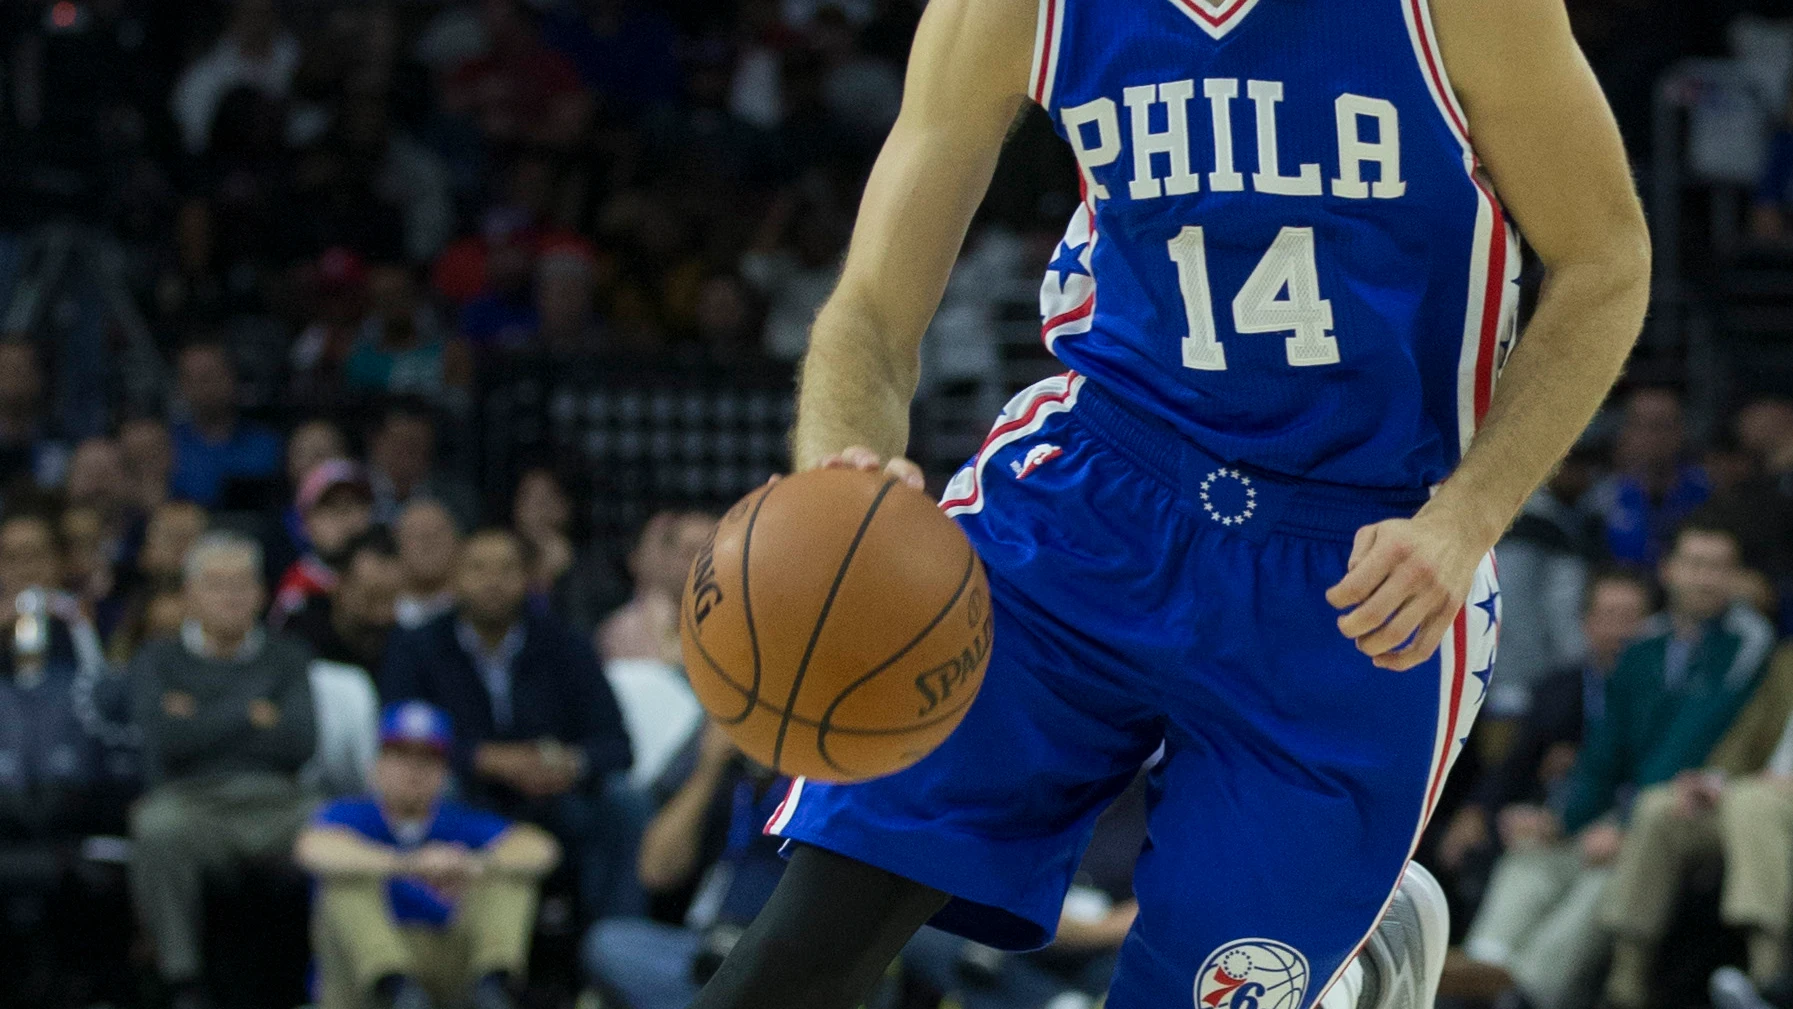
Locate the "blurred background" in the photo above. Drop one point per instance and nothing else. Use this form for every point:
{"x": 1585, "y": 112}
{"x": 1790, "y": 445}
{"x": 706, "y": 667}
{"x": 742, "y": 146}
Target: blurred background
{"x": 359, "y": 353}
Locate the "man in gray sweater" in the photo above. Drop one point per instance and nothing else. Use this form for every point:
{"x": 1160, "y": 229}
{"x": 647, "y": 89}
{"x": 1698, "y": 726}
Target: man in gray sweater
{"x": 227, "y": 721}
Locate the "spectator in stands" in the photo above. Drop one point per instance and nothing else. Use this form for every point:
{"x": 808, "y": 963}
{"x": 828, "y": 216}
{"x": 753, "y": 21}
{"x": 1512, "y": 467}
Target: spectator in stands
{"x": 1765, "y": 428}
{"x": 401, "y": 349}
{"x": 626, "y": 51}
{"x": 1654, "y": 486}
{"x": 402, "y": 466}
{"x": 30, "y": 455}
{"x": 254, "y": 51}
{"x": 351, "y": 623}
{"x": 66, "y": 773}
{"x": 1544, "y": 561}
{"x": 647, "y": 626}
{"x": 148, "y": 449}
{"x": 172, "y": 529}
{"x": 322, "y": 348}
{"x": 1689, "y": 819}
{"x": 519, "y": 91}
{"x": 563, "y": 578}
{"x": 794, "y": 279}
{"x": 99, "y": 523}
{"x": 429, "y": 547}
{"x": 214, "y": 446}
{"x": 708, "y": 833}
{"x": 1673, "y": 695}
{"x": 336, "y": 503}
{"x": 539, "y": 732}
{"x": 310, "y": 443}
{"x": 566, "y": 301}
{"x": 422, "y": 900}
{"x": 227, "y": 719}
{"x": 1565, "y": 707}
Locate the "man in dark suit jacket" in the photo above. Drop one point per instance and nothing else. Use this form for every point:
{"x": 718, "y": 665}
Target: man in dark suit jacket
{"x": 537, "y": 730}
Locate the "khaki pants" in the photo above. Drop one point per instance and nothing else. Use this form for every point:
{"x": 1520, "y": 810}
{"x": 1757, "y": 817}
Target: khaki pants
{"x": 185, "y": 831}
{"x": 357, "y": 941}
{"x": 1756, "y": 828}
{"x": 1539, "y": 922}
{"x": 1661, "y": 845}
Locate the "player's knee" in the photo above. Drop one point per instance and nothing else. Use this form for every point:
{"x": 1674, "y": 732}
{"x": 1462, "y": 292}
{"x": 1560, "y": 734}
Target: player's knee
{"x": 160, "y": 824}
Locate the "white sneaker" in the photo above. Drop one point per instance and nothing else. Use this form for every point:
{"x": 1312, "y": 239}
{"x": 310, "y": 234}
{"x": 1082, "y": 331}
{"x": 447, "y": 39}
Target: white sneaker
{"x": 1407, "y": 950}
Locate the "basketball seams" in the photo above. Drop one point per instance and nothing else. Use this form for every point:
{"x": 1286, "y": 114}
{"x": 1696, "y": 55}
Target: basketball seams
{"x": 826, "y": 724}
{"x": 753, "y": 637}
{"x": 815, "y": 634}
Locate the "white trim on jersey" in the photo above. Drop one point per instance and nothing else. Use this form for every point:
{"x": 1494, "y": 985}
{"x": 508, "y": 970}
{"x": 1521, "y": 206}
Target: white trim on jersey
{"x": 1049, "y": 28}
{"x": 1024, "y": 415}
{"x": 1418, "y": 14}
{"x": 1216, "y": 20}
{"x": 781, "y": 817}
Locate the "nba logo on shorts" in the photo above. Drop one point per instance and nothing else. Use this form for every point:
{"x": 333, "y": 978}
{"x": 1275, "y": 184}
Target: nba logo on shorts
{"x": 1252, "y": 974}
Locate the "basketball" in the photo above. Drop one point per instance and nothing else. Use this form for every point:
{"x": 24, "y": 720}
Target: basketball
{"x": 837, "y": 625}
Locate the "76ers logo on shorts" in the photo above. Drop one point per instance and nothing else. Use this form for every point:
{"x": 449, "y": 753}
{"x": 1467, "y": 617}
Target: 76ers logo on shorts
{"x": 1252, "y": 974}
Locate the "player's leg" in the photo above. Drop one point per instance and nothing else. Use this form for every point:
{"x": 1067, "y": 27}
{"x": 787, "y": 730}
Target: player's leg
{"x": 1400, "y": 965}
{"x": 1296, "y": 779}
{"x": 824, "y": 939}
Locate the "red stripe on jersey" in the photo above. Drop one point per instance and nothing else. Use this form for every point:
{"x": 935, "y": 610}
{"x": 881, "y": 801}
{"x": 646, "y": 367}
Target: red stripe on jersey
{"x": 1020, "y": 422}
{"x": 1493, "y": 298}
{"x": 1444, "y": 93}
{"x": 1460, "y": 641}
{"x": 1039, "y": 87}
{"x": 1200, "y": 11}
{"x": 1082, "y": 311}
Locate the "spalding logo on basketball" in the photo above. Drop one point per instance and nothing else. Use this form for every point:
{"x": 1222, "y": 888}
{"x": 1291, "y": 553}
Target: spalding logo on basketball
{"x": 1252, "y": 974}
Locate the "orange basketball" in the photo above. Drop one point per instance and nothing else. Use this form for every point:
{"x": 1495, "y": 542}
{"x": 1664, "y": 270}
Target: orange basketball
{"x": 837, "y": 625}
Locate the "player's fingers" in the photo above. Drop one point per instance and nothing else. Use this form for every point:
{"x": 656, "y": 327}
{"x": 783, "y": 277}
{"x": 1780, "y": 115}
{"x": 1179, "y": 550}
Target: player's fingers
{"x": 1361, "y": 544}
{"x": 852, "y": 457}
{"x": 1394, "y": 592}
{"x": 1423, "y": 645}
{"x": 1400, "y": 628}
{"x": 1370, "y": 571}
{"x": 906, "y": 471}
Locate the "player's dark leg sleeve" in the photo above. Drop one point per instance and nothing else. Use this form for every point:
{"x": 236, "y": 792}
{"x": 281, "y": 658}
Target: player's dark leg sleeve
{"x": 824, "y": 939}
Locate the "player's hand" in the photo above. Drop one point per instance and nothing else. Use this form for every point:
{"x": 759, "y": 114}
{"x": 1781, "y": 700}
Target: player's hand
{"x": 1404, "y": 584}
{"x": 865, "y": 460}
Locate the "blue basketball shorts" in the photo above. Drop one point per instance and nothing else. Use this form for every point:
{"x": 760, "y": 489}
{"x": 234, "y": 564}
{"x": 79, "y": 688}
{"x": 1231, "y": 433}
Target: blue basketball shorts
{"x": 1147, "y": 596}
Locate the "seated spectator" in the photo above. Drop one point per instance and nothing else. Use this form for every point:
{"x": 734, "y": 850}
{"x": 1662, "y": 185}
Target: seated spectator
{"x": 566, "y": 301}
{"x": 1565, "y": 708}
{"x": 504, "y": 316}
{"x": 572, "y": 583}
{"x": 1654, "y": 488}
{"x": 1544, "y": 561}
{"x": 708, "y": 832}
{"x": 336, "y": 505}
{"x": 538, "y": 730}
{"x": 1693, "y": 817}
{"x": 647, "y": 626}
{"x": 213, "y": 445}
{"x": 401, "y": 349}
{"x": 401, "y": 463}
{"x": 519, "y": 91}
{"x": 227, "y": 720}
{"x": 172, "y": 529}
{"x": 421, "y": 900}
{"x": 350, "y": 624}
{"x": 254, "y": 51}
{"x": 794, "y": 279}
{"x": 67, "y": 772}
{"x": 429, "y": 547}
{"x": 148, "y": 449}
{"x": 30, "y": 456}
{"x": 322, "y": 348}
{"x": 312, "y": 442}
{"x": 1673, "y": 695}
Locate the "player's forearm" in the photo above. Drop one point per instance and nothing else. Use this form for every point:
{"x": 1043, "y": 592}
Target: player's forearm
{"x": 858, "y": 380}
{"x": 1557, "y": 377}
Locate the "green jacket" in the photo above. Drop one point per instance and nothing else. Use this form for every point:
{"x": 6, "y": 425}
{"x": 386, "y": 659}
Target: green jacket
{"x": 1652, "y": 730}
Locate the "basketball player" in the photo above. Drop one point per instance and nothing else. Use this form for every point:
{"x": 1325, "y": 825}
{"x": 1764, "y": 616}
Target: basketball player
{"x": 1251, "y": 524}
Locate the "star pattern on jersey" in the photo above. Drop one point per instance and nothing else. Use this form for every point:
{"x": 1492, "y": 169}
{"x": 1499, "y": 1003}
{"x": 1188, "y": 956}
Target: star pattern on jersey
{"x": 1068, "y": 262}
{"x": 1490, "y": 606}
{"x": 1251, "y": 497}
{"x": 1484, "y": 675}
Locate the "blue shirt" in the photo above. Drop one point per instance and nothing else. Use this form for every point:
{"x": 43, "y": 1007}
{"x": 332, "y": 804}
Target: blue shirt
{"x": 413, "y": 902}
{"x": 1637, "y": 528}
{"x": 201, "y": 468}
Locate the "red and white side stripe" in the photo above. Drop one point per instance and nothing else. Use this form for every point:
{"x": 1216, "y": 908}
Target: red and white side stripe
{"x": 1468, "y": 646}
{"x": 1024, "y": 415}
{"x": 1218, "y": 18}
{"x": 1494, "y": 261}
{"x": 781, "y": 817}
{"x": 1068, "y": 300}
{"x": 1047, "y": 32}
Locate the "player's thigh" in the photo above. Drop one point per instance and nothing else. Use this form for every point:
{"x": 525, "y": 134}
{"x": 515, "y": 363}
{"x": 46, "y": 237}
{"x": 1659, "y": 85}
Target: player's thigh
{"x": 1296, "y": 779}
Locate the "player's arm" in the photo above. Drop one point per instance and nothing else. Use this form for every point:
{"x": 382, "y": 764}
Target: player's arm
{"x": 1544, "y": 131}
{"x": 967, "y": 79}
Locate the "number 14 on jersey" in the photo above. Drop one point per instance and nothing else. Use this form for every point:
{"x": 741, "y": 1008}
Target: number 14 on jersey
{"x": 1282, "y": 295}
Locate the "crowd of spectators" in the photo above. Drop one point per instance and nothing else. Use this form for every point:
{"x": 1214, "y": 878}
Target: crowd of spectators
{"x": 275, "y": 620}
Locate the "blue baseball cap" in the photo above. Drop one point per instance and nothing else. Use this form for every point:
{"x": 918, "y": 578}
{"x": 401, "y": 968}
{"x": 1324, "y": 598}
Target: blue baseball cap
{"x": 416, "y": 723}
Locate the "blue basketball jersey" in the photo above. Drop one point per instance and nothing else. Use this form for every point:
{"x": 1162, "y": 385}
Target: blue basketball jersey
{"x": 1284, "y": 247}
